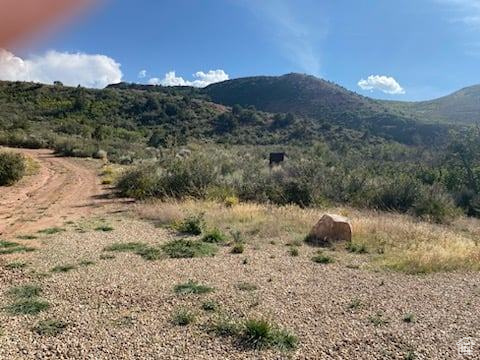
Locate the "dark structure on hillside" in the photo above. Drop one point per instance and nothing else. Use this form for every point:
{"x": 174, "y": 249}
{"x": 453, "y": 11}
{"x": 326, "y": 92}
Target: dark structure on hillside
{"x": 277, "y": 158}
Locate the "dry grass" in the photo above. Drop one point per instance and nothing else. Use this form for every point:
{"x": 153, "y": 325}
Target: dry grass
{"x": 394, "y": 241}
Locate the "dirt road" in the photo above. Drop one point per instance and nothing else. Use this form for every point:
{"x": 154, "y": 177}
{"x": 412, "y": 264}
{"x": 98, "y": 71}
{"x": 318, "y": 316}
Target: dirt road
{"x": 63, "y": 189}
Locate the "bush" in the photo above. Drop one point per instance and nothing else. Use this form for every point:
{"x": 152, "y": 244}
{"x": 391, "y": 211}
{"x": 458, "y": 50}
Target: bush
{"x": 12, "y": 168}
{"x": 398, "y": 194}
{"x": 191, "y": 225}
{"x": 215, "y": 236}
{"x": 183, "y": 248}
{"x": 139, "y": 183}
{"x": 435, "y": 205}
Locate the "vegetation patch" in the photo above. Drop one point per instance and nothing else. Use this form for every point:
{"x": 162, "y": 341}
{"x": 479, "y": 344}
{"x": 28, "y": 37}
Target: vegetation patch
{"x": 51, "y": 231}
{"x": 214, "y": 236}
{"x": 25, "y": 291}
{"x": 183, "y": 317}
{"x": 192, "y": 287}
{"x": 191, "y": 225}
{"x": 238, "y": 249}
{"x": 145, "y": 251}
{"x": 259, "y": 333}
{"x": 294, "y": 251}
{"x": 378, "y": 319}
{"x": 86, "y": 263}
{"x": 321, "y": 258}
{"x": 210, "y": 305}
{"x": 356, "y": 248}
{"x": 185, "y": 248}
{"x": 8, "y": 247}
{"x": 27, "y": 237}
{"x": 27, "y": 300}
{"x": 12, "y": 168}
{"x": 50, "y": 327}
{"x": 63, "y": 268}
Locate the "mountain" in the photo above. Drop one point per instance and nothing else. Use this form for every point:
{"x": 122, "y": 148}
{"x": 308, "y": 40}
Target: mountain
{"x": 461, "y": 107}
{"x": 308, "y": 96}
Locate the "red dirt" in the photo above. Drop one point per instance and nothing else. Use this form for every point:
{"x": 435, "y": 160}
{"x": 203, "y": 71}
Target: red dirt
{"x": 63, "y": 189}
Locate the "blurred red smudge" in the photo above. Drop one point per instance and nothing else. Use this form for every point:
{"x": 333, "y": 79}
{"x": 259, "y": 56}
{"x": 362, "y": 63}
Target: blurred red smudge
{"x": 22, "y": 21}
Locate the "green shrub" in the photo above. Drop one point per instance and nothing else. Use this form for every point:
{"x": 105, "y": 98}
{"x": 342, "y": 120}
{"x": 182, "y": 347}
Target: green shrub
{"x": 192, "y": 287}
{"x": 12, "y": 168}
{"x": 294, "y": 251}
{"x": 260, "y": 333}
{"x": 183, "y": 317}
{"x": 435, "y": 205}
{"x": 26, "y": 291}
{"x": 191, "y": 225}
{"x": 356, "y": 248}
{"x": 214, "y": 236}
{"x": 210, "y": 305}
{"x": 63, "y": 268}
{"x": 139, "y": 183}
{"x": 184, "y": 248}
{"x": 28, "y": 306}
{"x": 145, "y": 251}
{"x": 322, "y": 258}
{"x": 396, "y": 194}
{"x": 8, "y": 247}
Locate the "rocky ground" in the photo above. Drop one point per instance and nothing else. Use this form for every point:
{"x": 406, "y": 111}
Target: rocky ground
{"x": 118, "y": 305}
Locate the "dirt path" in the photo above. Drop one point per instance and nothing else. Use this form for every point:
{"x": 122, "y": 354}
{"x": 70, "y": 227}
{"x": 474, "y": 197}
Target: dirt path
{"x": 63, "y": 189}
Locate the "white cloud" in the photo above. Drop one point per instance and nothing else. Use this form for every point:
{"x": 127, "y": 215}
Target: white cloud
{"x": 385, "y": 84}
{"x": 96, "y": 71}
{"x": 142, "y": 74}
{"x": 201, "y": 79}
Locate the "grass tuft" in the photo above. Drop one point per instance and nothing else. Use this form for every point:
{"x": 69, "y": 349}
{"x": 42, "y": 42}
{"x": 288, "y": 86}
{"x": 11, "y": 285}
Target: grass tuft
{"x": 63, "y": 268}
{"x": 183, "y": 317}
{"x": 191, "y": 225}
{"x": 210, "y": 305}
{"x": 51, "y": 231}
{"x": 192, "y": 287}
{"x": 184, "y": 248}
{"x": 238, "y": 249}
{"x": 8, "y": 247}
{"x": 145, "y": 251}
{"x": 214, "y": 236}
{"x": 259, "y": 333}
{"x": 16, "y": 265}
{"x": 321, "y": 258}
{"x": 25, "y": 291}
{"x": 356, "y": 248}
{"x": 244, "y": 286}
{"x": 28, "y": 306}
{"x": 105, "y": 228}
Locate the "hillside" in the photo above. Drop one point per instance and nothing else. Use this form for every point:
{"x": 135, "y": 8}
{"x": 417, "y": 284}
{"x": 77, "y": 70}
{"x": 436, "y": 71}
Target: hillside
{"x": 461, "y": 107}
{"x": 134, "y": 121}
{"x": 321, "y": 100}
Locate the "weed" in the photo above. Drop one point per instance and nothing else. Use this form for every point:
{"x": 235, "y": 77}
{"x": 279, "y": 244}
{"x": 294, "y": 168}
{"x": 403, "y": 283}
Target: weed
{"x": 260, "y": 334}
{"x": 25, "y": 291}
{"x": 378, "y": 319}
{"x": 50, "y": 327}
{"x": 321, "y": 258}
{"x": 184, "y": 248}
{"x": 86, "y": 263}
{"x": 214, "y": 236}
{"x": 294, "y": 251}
{"x": 8, "y": 247}
{"x": 183, "y": 317}
{"x": 107, "y": 257}
{"x": 225, "y": 327}
{"x": 355, "y": 304}
{"x": 145, "y": 251}
{"x": 192, "y": 287}
{"x": 210, "y": 305}
{"x": 27, "y": 237}
{"x": 51, "y": 231}
{"x": 409, "y": 318}
{"x": 63, "y": 268}
{"x": 191, "y": 225}
{"x": 27, "y": 306}
{"x": 356, "y": 248}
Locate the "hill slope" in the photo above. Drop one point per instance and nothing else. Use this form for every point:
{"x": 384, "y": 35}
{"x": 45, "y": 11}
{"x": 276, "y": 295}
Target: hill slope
{"x": 461, "y": 107}
{"x": 321, "y": 100}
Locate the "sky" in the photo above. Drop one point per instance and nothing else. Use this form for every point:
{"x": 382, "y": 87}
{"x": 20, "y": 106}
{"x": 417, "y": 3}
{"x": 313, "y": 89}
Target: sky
{"x": 387, "y": 49}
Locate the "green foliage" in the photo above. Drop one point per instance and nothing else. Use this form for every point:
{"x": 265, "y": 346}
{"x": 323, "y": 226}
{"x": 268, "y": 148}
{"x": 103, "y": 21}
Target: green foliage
{"x": 322, "y": 258}
{"x": 8, "y": 247}
{"x": 105, "y": 228}
{"x": 12, "y": 168}
{"x": 354, "y": 247}
{"x": 214, "y": 236}
{"x": 63, "y": 268}
{"x": 238, "y": 248}
{"x": 184, "y": 248}
{"x": 145, "y": 251}
{"x": 192, "y": 287}
{"x": 210, "y": 305}
{"x": 191, "y": 225}
{"x": 183, "y": 317}
{"x": 28, "y": 306}
{"x": 26, "y": 291}
{"x": 244, "y": 286}
{"x": 294, "y": 251}
{"x": 259, "y": 333}
{"x": 16, "y": 265}
{"x": 51, "y": 231}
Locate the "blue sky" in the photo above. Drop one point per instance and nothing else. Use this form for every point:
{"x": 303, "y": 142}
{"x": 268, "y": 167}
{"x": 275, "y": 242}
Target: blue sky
{"x": 410, "y": 49}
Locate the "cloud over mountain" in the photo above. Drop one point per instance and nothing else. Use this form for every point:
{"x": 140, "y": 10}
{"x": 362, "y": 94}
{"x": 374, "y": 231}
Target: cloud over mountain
{"x": 386, "y": 84}
{"x": 201, "y": 79}
{"x": 95, "y": 71}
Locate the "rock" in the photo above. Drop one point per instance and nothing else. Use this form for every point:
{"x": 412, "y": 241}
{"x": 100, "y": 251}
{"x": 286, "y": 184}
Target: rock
{"x": 330, "y": 228}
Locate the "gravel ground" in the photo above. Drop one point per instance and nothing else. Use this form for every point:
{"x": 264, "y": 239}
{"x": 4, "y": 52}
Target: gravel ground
{"x": 121, "y": 308}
